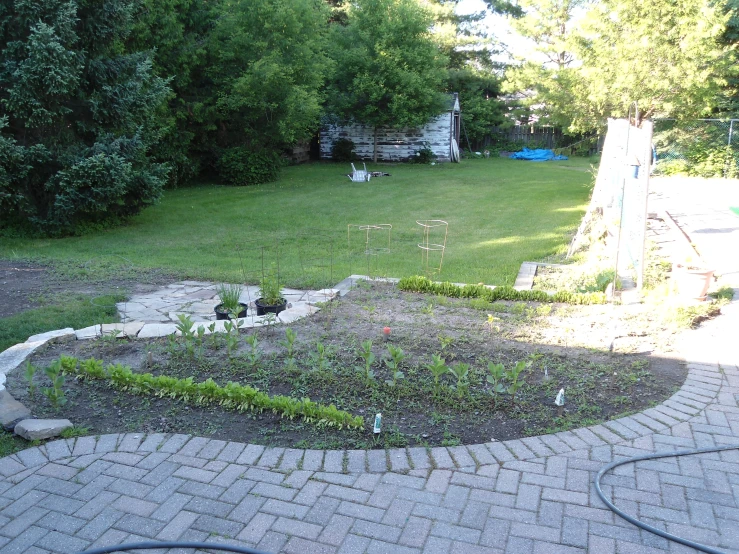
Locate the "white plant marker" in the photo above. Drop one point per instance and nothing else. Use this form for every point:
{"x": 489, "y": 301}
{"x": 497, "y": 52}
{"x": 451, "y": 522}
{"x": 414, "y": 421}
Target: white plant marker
{"x": 560, "y": 400}
{"x": 378, "y": 424}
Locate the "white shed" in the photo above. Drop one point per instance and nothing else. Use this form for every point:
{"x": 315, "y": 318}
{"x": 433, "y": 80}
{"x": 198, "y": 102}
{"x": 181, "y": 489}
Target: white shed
{"x": 394, "y": 145}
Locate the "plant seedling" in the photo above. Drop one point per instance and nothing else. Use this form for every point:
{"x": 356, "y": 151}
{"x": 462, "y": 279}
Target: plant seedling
{"x": 393, "y": 364}
{"x": 496, "y": 379}
{"x": 55, "y": 393}
{"x": 369, "y": 358}
{"x": 491, "y": 323}
{"x": 28, "y": 375}
{"x": 512, "y": 378}
{"x": 319, "y": 357}
{"x": 437, "y": 368}
{"x": 461, "y": 372}
{"x": 253, "y": 355}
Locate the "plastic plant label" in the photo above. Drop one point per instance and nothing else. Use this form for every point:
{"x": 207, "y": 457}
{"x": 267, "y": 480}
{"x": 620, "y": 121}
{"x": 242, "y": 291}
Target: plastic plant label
{"x": 378, "y": 424}
{"x": 560, "y": 400}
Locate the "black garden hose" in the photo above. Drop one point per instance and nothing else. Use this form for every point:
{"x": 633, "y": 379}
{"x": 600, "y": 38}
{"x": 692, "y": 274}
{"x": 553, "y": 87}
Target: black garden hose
{"x": 641, "y": 524}
{"x": 174, "y": 544}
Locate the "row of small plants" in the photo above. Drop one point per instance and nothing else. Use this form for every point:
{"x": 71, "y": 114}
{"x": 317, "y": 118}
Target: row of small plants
{"x": 425, "y": 285}
{"x": 502, "y": 380}
{"x": 231, "y": 396}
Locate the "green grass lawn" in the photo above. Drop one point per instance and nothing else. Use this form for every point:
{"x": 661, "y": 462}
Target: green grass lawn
{"x": 500, "y": 212}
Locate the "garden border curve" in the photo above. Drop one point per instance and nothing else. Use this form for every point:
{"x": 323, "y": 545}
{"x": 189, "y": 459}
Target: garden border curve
{"x": 700, "y": 388}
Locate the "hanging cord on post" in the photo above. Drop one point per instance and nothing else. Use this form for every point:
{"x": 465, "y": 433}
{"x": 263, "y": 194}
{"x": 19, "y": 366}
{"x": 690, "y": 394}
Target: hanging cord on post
{"x": 646, "y": 526}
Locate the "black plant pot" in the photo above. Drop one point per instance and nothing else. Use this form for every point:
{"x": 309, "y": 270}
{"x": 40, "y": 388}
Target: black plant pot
{"x": 221, "y": 314}
{"x": 269, "y": 308}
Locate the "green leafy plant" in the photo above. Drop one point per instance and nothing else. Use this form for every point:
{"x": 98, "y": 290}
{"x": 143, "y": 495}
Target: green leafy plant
{"x": 438, "y": 368}
{"x": 424, "y": 155}
{"x": 28, "y": 375}
{"x": 213, "y": 335}
{"x": 343, "y": 150}
{"x": 253, "y": 355}
{"x": 233, "y": 396}
{"x": 393, "y": 364}
{"x": 461, "y": 372}
{"x": 270, "y": 291}
{"x": 497, "y": 380}
{"x": 369, "y": 358}
{"x": 184, "y": 325}
{"x": 55, "y": 393}
{"x": 425, "y": 285}
{"x": 229, "y": 296}
{"x": 320, "y": 357}
{"x": 232, "y": 335}
{"x": 289, "y": 345}
{"x": 512, "y": 377}
{"x": 243, "y": 165}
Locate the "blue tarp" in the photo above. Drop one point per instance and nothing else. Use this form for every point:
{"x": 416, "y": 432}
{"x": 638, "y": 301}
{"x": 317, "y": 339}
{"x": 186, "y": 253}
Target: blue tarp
{"x": 539, "y": 155}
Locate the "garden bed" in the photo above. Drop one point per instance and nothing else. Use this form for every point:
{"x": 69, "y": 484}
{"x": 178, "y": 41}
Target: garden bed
{"x": 605, "y": 358}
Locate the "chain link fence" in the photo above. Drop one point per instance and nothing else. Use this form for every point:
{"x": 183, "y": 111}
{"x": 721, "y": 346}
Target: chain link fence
{"x": 698, "y": 147}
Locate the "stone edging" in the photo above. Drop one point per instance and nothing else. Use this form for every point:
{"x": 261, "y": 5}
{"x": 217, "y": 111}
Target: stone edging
{"x": 701, "y": 387}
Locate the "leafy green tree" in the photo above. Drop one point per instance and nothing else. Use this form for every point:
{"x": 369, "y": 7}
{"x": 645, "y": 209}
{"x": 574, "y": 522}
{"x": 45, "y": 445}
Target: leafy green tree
{"x": 177, "y": 33}
{"x": 481, "y": 108}
{"x": 269, "y": 67}
{"x": 542, "y": 80}
{"x": 77, "y": 116}
{"x": 666, "y": 55}
{"x": 389, "y": 71}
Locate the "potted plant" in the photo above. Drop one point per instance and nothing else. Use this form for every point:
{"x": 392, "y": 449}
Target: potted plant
{"x": 692, "y": 281}
{"x": 230, "y": 307}
{"x": 270, "y": 297}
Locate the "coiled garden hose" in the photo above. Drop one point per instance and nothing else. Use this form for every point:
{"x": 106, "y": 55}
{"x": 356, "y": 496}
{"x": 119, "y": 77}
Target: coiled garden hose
{"x": 174, "y": 544}
{"x": 646, "y": 526}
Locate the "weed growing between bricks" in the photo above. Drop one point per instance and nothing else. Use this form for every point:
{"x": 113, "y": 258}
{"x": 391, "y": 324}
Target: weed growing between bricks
{"x": 464, "y": 404}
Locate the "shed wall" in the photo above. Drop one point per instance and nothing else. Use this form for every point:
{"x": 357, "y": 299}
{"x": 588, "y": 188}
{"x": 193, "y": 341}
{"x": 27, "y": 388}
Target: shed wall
{"x": 392, "y": 144}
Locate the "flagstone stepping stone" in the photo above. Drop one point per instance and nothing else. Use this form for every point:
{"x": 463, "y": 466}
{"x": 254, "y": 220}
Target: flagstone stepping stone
{"x": 11, "y": 411}
{"x": 124, "y": 329}
{"x": 39, "y": 429}
{"x": 52, "y": 335}
{"x": 154, "y": 330}
{"x": 15, "y": 356}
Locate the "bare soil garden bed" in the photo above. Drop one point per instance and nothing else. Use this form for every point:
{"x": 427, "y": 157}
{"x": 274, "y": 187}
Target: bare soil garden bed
{"x": 609, "y": 359}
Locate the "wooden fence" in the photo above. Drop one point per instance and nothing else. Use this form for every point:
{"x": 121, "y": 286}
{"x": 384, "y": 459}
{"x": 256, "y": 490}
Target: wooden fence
{"x": 541, "y": 137}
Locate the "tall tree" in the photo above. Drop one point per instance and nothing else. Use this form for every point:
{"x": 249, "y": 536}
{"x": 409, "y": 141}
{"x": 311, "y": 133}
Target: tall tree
{"x": 177, "y": 33}
{"x": 388, "y": 69}
{"x": 269, "y": 68}
{"x": 77, "y": 115}
{"x": 541, "y": 81}
{"x": 666, "y": 55}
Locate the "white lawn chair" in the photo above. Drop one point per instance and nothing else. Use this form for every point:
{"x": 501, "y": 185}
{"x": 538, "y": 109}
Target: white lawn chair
{"x": 359, "y": 175}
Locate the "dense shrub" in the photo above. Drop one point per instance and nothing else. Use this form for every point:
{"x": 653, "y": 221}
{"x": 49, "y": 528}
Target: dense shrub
{"x": 78, "y": 116}
{"x": 343, "y": 150}
{"x": 424, "y": 155}
{"x": 242, "y": 166}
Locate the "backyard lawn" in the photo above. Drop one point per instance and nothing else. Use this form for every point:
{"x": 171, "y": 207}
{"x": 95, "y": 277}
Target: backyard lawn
{"x": 500, "y": 212}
